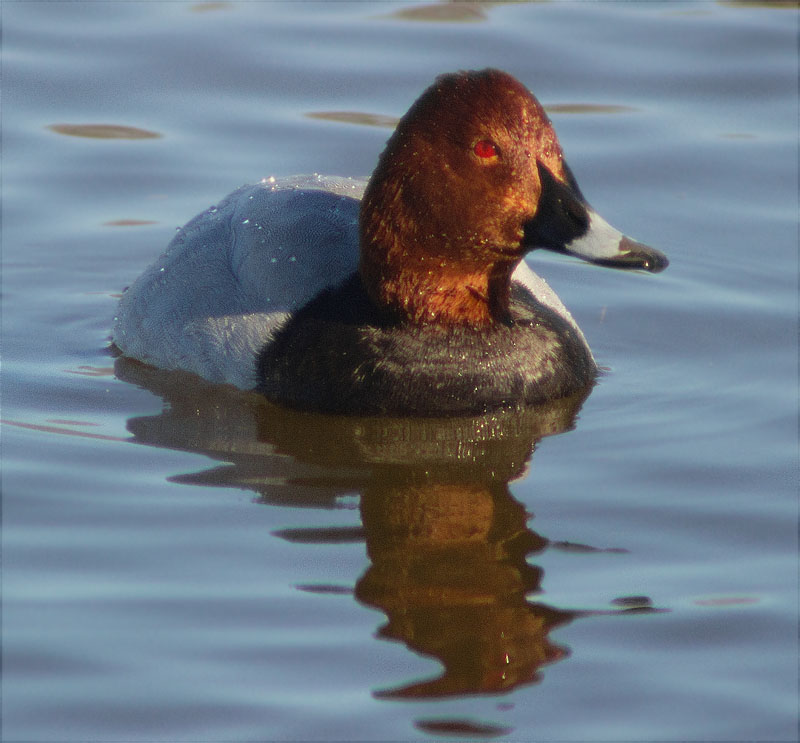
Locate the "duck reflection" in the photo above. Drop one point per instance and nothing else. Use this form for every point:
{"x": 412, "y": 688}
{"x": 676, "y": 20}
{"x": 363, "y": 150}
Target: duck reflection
{"x": 449, "y": 569}
{"x": 449, "y": 546}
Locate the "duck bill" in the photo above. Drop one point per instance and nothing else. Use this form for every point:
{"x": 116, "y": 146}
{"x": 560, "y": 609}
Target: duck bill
{"x": 565, "y": 223}
{"x": 607, "y": 246}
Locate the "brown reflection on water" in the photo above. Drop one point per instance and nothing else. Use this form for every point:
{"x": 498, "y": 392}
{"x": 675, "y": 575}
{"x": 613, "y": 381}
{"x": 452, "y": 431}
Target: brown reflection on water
{"x": 450, "y": 548}
{"x": 103, "y": 131}
{"x": 453, "y": 11}
{"x": 355, "y": 117}
{"x": 462, "y": 729}
{"x": 587, "y": 108}
{"x": 449, "y": 570}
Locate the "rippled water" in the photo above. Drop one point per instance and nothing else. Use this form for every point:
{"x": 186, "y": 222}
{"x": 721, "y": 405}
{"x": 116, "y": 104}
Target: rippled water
{"x": 182, "y": 562}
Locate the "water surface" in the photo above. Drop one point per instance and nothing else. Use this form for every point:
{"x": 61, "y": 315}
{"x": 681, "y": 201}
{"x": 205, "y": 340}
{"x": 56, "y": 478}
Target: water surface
{"x": 182, "y": 562}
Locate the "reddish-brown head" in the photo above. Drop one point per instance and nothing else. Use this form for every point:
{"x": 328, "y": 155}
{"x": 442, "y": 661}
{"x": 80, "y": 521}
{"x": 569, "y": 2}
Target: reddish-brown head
{"x": 442, "y": 220}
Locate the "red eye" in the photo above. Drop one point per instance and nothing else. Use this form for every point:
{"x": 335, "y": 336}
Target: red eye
{"x": 486, "y": 149}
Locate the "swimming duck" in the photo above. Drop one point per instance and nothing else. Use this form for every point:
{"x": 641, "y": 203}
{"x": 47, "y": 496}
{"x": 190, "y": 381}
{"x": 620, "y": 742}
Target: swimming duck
{"x": 404, "y": 295}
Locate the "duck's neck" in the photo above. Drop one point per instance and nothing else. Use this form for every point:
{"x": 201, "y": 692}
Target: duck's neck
{"x": 411, "y": 284}
{"x": 429, "y": 278}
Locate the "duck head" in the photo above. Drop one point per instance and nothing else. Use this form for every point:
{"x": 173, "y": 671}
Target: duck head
{"x": 472, "y": 179}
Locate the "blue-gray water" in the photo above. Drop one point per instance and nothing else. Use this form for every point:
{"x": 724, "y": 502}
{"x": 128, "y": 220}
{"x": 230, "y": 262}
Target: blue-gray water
{"x": 184, "y": 563}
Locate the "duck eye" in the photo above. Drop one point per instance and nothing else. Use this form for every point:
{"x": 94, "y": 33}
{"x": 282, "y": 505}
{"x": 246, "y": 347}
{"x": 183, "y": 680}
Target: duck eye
{"x": 487, "y": 150}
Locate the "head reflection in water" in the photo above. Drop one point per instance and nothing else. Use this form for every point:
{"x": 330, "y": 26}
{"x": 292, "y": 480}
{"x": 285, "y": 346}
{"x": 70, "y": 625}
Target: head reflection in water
{"x": 449, "y": 570}
{"x": 449, "y": 546}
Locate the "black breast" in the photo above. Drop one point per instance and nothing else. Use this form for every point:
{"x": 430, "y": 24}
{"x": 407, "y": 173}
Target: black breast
{"x": 337, "y": 355}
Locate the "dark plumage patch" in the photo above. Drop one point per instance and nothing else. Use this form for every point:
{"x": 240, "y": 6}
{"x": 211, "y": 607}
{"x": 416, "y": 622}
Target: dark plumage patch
{"x": 339, "y": 355}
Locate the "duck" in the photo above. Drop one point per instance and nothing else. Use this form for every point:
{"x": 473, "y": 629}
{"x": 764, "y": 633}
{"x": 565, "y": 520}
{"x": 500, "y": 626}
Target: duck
{"x": 406, "y": 294}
